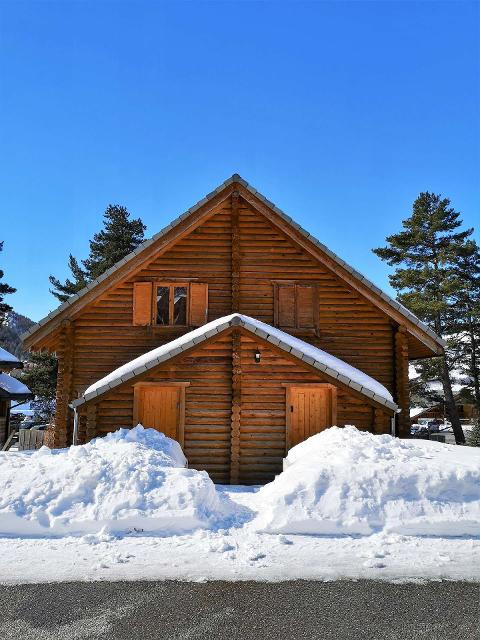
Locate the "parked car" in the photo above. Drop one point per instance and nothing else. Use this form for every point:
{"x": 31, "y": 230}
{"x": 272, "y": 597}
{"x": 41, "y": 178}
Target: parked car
{"x": 31, "y": 423}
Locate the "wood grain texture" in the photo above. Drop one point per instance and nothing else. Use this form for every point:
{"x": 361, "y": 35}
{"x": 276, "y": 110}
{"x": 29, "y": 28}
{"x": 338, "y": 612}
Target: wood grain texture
{"x": 142, "y": 304}
{"x": 235, "y": 417}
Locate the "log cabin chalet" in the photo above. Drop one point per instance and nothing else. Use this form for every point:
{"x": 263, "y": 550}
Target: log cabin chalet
{"x": 236, "y": 332}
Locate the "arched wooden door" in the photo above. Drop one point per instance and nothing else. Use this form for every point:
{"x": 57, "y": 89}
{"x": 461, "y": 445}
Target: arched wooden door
{"x": 310, "y": 408}
{"x": 162, "y": 407}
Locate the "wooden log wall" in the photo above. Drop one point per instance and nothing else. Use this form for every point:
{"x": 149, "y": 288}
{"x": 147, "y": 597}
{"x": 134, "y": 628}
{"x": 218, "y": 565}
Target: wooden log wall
{"x": 3, "y": 422}
{"x": 263, "y": 419}
{"x": 239, "y": 255}
{"x": 208, "y": 405}
{"x": 105, "y": 335}
{"x": 61, "y": 436}
{"x": 234, "y": 408}
{"x": 402, "y": 396}
{"x": 350, "y": 327}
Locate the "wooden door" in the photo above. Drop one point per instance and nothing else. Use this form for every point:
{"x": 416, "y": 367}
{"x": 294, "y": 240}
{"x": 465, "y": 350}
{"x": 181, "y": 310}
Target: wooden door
{"x": 310, "y": 409}
{"x": 160, "y": 407}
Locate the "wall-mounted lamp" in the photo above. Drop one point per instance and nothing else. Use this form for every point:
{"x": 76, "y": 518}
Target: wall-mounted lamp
{"x": 256, "y": 356}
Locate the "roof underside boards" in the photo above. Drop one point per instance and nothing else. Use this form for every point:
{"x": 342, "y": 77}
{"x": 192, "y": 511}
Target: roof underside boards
{"x": 317, "y": 358}
{"x": 236, "y": 179}
{"x": 8, "y": 360}
{"x": 11, "y": 388}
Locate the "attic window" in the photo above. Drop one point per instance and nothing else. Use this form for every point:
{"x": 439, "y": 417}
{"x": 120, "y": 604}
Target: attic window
{"x": 296, "y": 305}
{"x": 170, "y": 304}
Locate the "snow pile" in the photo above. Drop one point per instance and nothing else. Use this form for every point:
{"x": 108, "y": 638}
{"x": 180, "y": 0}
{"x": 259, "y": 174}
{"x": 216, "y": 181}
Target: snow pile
{"x": 344, "y": 481}
{"x": 133, "y": 479}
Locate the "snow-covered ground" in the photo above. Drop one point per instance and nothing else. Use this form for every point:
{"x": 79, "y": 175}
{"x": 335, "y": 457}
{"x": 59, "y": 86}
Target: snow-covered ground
{"x": 348, "y": 505}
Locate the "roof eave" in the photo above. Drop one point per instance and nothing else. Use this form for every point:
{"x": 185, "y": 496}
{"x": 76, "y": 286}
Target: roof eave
{"x": 236, "y": 321}
{"x": 434, "y": 342}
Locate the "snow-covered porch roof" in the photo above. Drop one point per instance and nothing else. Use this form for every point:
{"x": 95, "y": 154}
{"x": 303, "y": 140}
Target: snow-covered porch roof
{"x": 313, "y": 356}
{"x": 13, "y": 389}
{"x": 9, "y": 361}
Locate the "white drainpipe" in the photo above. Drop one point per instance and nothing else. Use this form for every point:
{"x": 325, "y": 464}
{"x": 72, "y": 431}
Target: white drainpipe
{"x": 75, "y": 425}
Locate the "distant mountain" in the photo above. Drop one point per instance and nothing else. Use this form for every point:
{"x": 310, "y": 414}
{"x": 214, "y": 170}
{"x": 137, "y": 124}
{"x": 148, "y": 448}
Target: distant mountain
{"x": 10, "y": 331}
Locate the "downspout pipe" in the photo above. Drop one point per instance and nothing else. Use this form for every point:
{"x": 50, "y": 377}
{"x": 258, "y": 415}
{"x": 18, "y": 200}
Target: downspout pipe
{"x": 392, "y": 427}
{"x": 75, "y": 425}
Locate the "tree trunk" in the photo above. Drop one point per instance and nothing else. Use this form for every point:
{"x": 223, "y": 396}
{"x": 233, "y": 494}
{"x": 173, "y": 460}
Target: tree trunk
{"x": 473, "y": 364}
{"x": 450, "y": 404}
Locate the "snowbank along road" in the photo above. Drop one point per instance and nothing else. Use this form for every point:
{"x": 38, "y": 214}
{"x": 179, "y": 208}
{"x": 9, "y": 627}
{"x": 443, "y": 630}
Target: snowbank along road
{"x": 349, "y": 505}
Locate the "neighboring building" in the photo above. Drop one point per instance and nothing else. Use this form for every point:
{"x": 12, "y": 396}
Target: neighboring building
{"x": 12, "y": 391}
{"x": 467, "y": 411}
{"x": 431, "y": 394}
{"x": 236, "y": 393}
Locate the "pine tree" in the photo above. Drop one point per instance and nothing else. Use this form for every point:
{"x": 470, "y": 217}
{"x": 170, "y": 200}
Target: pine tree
{"x": 463, "y": 320}
{"x": 425, "y": 255}
{"x": 5, "y": 289}
{"x": 69, "y": 287}
{"x": 40, "y": 376}
{"x": 119, "y": 237}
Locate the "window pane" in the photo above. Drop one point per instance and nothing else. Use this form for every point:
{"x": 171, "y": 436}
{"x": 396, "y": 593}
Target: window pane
{"x": 180, "y": 305}
{"x": 162, "y": 305}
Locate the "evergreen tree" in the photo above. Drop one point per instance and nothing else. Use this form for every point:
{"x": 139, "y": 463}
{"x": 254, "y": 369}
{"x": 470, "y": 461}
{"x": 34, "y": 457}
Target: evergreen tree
{"x": 63, "y": 291}
{"x": 463, "y": 319}
{"x": 40, "y": 376}
{"x": 425, "y": 255}
{"x": 4, "y": 290}
{"x": 119, "y": 237}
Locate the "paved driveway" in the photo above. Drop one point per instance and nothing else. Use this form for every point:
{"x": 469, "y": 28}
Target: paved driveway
{"x": 246, "y": 610}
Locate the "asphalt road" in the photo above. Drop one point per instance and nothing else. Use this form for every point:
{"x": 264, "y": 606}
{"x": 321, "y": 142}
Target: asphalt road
{"x": 246, "y": 610}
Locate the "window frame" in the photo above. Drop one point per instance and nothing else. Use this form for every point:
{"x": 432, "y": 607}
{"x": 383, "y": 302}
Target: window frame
{"x": 171, "y": 301}
{"x": 315, "y": 301}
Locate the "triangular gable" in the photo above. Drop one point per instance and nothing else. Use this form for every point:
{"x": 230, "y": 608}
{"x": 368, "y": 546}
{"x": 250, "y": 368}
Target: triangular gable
{"x": 324, "y": 362}
{"x": 194, "y": 216}
{"x": 13, "y": 389}
{"x": 9, "y": 361}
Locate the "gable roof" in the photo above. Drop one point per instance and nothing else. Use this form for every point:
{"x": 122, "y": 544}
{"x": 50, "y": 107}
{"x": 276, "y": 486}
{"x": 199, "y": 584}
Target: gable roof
{"x": 313, "y": 356}
{"x": 237, "y": 179}
{"x": 13, "y": 389}
{"x": 9, "y": 361}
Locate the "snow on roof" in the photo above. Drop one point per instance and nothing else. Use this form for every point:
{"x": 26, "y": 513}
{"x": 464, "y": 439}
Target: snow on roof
{"x": 238, "y": 179}
{"x": 12, "y": 387}
{"x": 416, "y": 411}
{"x": 7, "y": 358}
{"x": 321, "y": 360}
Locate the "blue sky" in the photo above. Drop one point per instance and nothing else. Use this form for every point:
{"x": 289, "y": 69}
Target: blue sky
{"x": 339, "y": 112}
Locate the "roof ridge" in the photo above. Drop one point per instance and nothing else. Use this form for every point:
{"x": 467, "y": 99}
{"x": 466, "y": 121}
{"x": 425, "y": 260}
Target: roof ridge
{"x": 237, "y": 178}
{"x": 314, "y": 356}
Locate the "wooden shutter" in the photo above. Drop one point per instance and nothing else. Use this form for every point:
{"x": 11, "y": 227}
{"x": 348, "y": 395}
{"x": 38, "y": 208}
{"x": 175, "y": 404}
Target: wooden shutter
{"x": 286, "y": 306}
{"x": 305, "y": 306}
{"x": 198, "y": 304}
{"x": 142, "y": 303}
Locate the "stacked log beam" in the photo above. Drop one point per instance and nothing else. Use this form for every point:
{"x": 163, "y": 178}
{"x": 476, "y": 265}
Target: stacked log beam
{"x": 236, "y": 408}
{"x": 401, "y": 382}
{"x": 63, "y": 424}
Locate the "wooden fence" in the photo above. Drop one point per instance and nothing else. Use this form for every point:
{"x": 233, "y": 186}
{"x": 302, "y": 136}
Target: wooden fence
{"x": 30, "y": 439}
